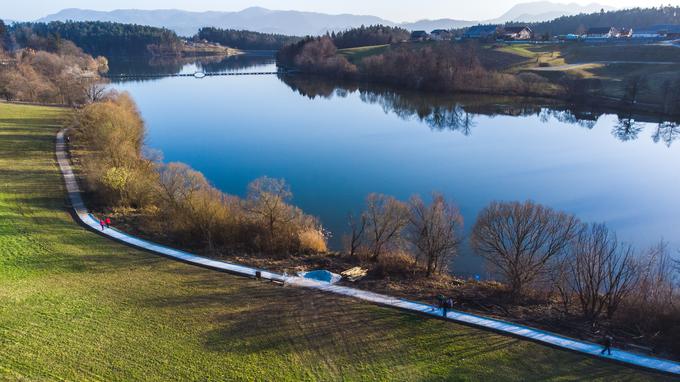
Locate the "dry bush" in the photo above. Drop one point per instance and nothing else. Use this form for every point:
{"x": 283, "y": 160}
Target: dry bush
{"x": 279, "y": 224}
{"x": 395, "y": 264}
{"x": 312, "y": 241}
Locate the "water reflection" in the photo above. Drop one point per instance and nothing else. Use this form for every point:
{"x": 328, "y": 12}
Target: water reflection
{"x": 666, "y": 133}
{"x": 458, "y": 113}
{"x": 184, "y": 65}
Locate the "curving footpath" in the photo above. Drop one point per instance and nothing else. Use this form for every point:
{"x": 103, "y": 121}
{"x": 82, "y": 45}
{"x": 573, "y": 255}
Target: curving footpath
{"x": 524, "y": 332}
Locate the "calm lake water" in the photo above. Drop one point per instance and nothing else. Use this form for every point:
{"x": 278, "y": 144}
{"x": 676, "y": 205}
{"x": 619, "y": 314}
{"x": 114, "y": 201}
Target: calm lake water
{"x": 334, "y": 144}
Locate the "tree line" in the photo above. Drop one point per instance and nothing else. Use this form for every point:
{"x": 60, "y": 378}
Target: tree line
{"x": 369, "y": 35}
{"x": 627, "y": 18}
{"x": 100, "y": 38}
{"x": 243, "y": 39}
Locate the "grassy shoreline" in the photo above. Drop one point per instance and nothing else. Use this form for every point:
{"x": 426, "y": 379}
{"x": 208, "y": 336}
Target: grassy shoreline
{"x": 76, "y": 306}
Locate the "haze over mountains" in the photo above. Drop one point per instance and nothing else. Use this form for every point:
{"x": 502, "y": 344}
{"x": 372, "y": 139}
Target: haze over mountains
{"x": 304, "y": 23}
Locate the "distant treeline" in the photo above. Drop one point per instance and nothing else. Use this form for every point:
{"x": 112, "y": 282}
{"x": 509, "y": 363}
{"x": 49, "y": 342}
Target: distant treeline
{"x": 371, "y": 35}
{"x": 99, "y": 38}
{"x": 627, "y": 18}
{"x": 247, "y": 40}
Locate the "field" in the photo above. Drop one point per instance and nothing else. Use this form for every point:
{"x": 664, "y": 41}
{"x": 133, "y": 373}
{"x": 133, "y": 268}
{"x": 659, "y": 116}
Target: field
{"x": 357, "y": 54}
{"x": 75, "y": 306}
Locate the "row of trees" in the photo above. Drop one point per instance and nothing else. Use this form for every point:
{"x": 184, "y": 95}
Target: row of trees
{"x": 635, "y": 18}
{"x": 178, "y": 201}
{"x": 431, "y": 231}
{"x": 369, "y": 35}
{"x": 100, "y": 38}
{"x": 530, "y": 246}
{"x": 242, "y": 39}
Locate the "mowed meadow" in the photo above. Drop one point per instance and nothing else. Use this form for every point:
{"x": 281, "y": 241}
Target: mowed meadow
{"x": 76, "y": 306}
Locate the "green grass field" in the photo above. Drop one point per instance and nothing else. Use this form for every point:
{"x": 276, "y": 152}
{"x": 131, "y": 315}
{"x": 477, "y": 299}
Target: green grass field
{"x": 75, "y": 306}
{"x": 355, "y": 55}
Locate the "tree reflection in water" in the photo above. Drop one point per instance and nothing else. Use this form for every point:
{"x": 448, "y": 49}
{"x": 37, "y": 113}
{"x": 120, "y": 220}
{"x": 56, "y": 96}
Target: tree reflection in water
{"x": 458, "y": 113}
{"x": 666, "y": 132}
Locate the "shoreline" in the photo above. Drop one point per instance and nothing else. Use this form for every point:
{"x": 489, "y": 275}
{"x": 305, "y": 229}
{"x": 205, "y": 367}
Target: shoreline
{"x": 555, "y": 340}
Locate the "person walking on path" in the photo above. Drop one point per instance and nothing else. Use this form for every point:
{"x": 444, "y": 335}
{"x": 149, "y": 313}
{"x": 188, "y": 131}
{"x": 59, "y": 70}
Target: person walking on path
{"x": 607, "y": 343}
{"x": 101, "y": 223}
{"x": 108, "y": 222}
{"x": 441, "y": 303}
{"x": 447, "y": 303}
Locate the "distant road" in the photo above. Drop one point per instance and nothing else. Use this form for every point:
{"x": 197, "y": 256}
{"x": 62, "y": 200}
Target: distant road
{"x": 586, "y": 64}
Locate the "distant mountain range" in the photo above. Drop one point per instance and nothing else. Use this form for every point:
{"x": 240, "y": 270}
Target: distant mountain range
{"x": 304, "y": 23}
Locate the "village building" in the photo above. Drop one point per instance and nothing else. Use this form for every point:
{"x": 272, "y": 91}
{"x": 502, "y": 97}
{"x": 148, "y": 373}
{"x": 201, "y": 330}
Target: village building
{"x": 517, "y": 33}
{"x": 481, "y": 32}
{"x": 601, "y": 32}
{"x": 625, "y": 33}
{"x": 441, "y": 35}
{"x": 419, "y": 36}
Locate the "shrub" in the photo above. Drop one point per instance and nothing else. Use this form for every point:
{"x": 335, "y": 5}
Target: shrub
{"x": 396, "y": 264}
{"x": 312, "y": 241}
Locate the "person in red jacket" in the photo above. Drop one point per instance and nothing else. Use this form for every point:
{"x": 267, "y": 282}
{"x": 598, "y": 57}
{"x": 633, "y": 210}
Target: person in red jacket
{"x": 101, "y": 223}
{"x": 108, "y": 222}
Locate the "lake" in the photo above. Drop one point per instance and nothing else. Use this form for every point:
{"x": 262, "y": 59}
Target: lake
{"x": 336, "y": 143}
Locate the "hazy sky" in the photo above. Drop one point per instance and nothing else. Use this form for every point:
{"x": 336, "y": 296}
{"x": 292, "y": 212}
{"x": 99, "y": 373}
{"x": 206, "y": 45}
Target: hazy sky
{"x": 395, "y": 10}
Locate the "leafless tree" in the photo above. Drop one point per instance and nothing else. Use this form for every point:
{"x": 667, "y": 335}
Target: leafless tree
{"x": 178, "y": 183}
{"x": 657, "y": 286}
{"x": 518, "y": 239}
{"x": 386, "y": 218}
{"x": 268, "y": 199}
{"x": 435, "y": 230}
{"x": 601, "y": 271}
{"x": 95, "y": 91}
{"x": 357, "y": 225}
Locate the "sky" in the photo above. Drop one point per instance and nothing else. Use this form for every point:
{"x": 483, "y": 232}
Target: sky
{"x": 394, "y": 10}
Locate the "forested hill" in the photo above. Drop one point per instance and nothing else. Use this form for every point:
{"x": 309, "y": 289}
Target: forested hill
{"x": 628, "y": 18}
{"x": 100, "y": 38}
{"x": 247, "y": 40}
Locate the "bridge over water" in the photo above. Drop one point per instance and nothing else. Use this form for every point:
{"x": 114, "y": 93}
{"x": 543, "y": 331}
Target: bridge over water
{"x": 196, "y": 75}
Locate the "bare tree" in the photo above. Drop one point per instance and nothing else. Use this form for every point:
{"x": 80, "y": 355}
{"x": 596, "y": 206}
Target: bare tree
{"x": 386, "y": 218}
{"x": 268, "y": 199}
{"x": 518, "y": 239}
{"x": 657, "y": 286}
{"x": 601, "y": 271}
{"x": 178, "y": 183}
{"x": 95, "y": 91}
{"x": 435, "y": 231}
{"x": 357, "y": 227}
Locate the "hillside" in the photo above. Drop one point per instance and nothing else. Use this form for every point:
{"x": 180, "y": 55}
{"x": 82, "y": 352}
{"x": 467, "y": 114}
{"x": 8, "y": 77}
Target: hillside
{"x": 629, "y": 18}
